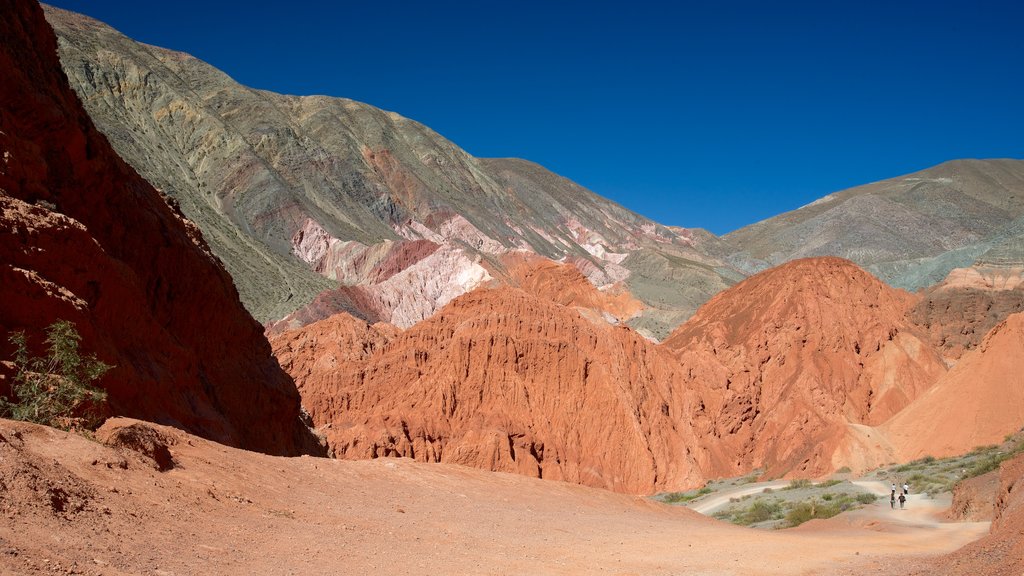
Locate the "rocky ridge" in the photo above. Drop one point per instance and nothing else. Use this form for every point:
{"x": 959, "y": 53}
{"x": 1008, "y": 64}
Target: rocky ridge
{"x": 84, "y": 238}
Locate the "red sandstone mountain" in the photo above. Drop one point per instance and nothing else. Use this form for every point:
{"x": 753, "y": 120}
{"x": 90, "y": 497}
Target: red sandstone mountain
{"x": 787, "y": 371}
{"x": 84, "y": 238}
{"x": 503, "y": 380}
{"x": 790, "y": 358}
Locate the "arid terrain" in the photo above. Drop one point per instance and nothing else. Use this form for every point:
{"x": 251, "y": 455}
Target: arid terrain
{"x": 73, "y": 505}
{"x": 341, "y": 344}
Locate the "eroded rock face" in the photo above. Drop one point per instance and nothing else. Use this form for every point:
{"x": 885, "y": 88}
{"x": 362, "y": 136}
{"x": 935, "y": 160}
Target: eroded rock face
{"x": 84, "y": 238}
{"x": 959, "y": 311}
{"x": 797, "y": 355}
{"x": 503, "y": 380}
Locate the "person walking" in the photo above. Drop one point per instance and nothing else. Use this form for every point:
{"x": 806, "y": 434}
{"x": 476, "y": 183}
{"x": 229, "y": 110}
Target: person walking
{"x": 903, "y": 499}
{"x": 906, "y": 489}
{"x": 892, "y": 500}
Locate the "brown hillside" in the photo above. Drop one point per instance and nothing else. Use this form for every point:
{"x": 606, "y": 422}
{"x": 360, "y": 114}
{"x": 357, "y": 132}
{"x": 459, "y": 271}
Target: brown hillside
{"x": 506, "y": 381}
{"x": 790, "y": 358}
{"x": 84, "y": 238}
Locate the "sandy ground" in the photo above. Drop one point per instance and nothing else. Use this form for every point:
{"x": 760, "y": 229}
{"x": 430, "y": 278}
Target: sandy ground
{"x": 226, "y": 511}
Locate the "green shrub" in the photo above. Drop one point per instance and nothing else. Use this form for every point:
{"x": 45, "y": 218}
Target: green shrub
{"x": 866, "y": 498}
{"x": 828, "y": 483}
{"x": 844, "y": 470}
{"x": 760, "y": 511}
{"x": 57, "y": 389}
{"x": 797, "y": 484}
{"x": 683, "y": 497}
{"x": 805, "y": 511}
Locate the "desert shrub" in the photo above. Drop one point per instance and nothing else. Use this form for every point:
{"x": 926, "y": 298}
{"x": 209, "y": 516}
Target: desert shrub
{"x": 804, "y": 511}
{"x": 682, "y": 497}
{"x": 797, "y": 484}
{"x": 844, "y": 470}
{"x": 828, "y": 483}
{"x": 760, "y": 511}
{"x": 57, "y": 389}
{"x": 827, "y": 496}
{"x": 866, "y": 498}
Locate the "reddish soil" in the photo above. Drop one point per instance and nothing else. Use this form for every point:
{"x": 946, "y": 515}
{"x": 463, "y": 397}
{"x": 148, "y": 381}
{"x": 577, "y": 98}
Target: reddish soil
{"x": 75, "y": 506}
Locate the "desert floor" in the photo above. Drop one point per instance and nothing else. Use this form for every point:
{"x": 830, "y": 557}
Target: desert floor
{"x": 71, "y": 505}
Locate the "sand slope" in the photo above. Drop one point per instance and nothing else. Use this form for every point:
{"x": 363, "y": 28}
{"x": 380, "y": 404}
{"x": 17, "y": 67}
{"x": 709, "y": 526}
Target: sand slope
{"x": 976, "y": 403}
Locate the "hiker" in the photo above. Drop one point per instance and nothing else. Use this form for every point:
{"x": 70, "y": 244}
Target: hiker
{"x": 903, "y": 499}
{"x": 894, "y": 488}
{"x": 906, "y": 488}
{"x": 892, "y": 500}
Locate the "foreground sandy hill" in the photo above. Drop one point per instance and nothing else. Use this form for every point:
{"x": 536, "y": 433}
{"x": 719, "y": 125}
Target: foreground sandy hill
{"x": 74, "y": 506}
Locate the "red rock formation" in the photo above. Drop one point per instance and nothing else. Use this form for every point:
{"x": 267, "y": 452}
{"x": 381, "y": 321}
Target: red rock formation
{"x": 790, "y": 358}
{"x": 503, "y": 380}
{"x": 974, "y": 498}
{"x": 84, "y": 238}
{"x": 978, "y": 402}
{"x": 960, "y": 310}
{"x": 566, "y": 285}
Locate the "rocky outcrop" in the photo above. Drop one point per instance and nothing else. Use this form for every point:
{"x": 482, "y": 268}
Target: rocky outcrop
{"x": 801, "y": 354}
{"x": 564, "y": 284}
{"x": 974, "y": 498}
{"x": 503, "y": 380}
{"x": 84, "y": 238}
{"x": 959, "y": 311}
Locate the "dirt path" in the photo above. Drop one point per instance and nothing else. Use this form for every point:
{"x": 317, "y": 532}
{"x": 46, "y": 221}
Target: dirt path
{"x": 712, "y": 502}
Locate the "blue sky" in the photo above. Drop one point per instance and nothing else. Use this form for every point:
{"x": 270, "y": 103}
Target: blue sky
{"x": 709, "y": 114}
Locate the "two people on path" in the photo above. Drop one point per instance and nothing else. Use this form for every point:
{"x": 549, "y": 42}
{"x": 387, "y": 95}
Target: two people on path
{"x": 902, "y": 498}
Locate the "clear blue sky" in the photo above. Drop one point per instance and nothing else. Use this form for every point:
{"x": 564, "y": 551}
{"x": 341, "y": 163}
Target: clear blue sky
{"x": 710, "y": 114}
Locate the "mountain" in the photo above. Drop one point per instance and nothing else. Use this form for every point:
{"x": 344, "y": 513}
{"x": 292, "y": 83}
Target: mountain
{"x": 797, "y": 370}
{"x": 791, "y": 358}
{"x": 504, "y": 380}
{"x": 300, "y": 194}
{"x": 84, "y": 238}
{"x": 910, "y": 231}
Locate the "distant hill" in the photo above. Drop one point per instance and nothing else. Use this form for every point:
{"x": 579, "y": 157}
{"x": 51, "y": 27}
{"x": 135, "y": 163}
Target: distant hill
{"x": 911, "y": 231}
